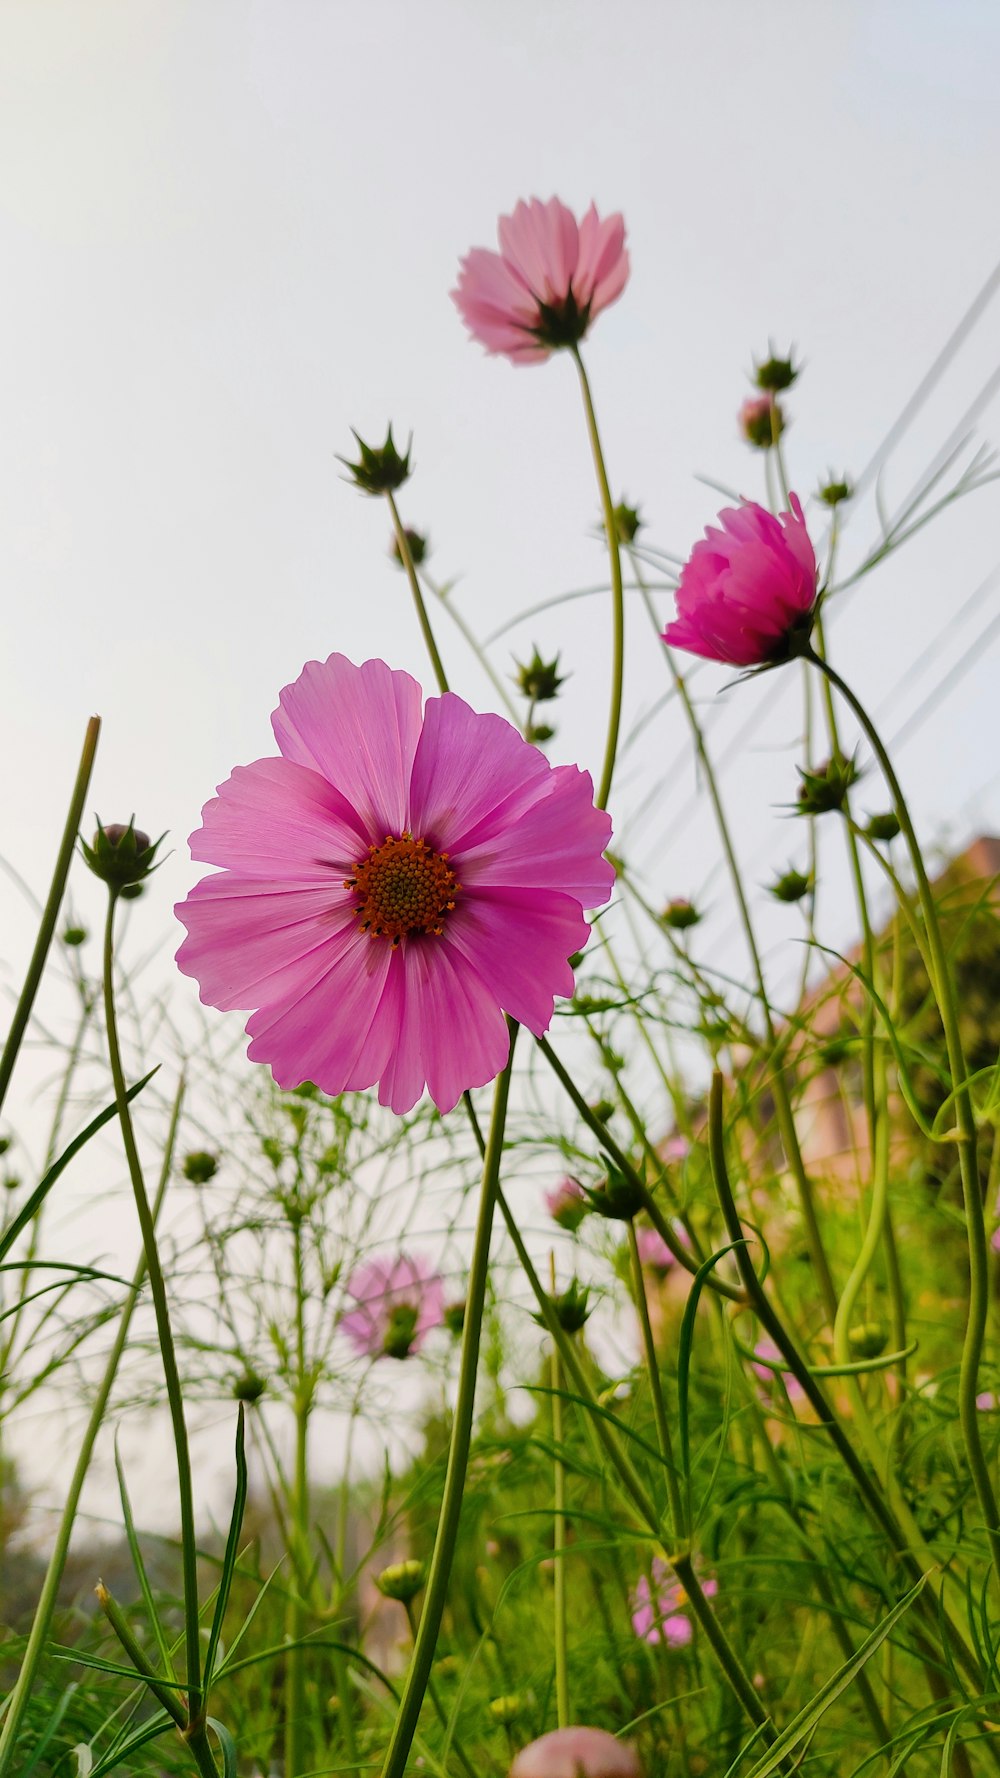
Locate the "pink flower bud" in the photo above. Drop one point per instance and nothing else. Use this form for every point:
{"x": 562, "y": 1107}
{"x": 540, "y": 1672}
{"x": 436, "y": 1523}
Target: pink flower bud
{"x": 577, "y": 1753}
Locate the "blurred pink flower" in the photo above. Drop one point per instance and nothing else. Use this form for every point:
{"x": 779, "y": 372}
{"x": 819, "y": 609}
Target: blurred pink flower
{"x": 567, "y": 1204}
{"x": 398, "y": 1302}
{"x": 747, "y": 592}
{"x": 577, "y": 1753}
{"x": 766, "y": 1348}
{"x": 391, "y": 886}
{"x": 550, "y": 279}
{"x": 654, "y": 1253}
{"x": 986, "y": 1402}
{"x": 676, "y": 1148}
{"x": 661, "y": 1616}
{"x": 761, "y": 420}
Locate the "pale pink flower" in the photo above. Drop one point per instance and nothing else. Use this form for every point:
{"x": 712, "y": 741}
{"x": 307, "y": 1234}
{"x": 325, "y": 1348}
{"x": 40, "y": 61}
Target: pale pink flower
{"x": 766, "y": 1348}
{"x": 391, "y": 886}
{"x": 654, "y": 1253}
{"x": 986, "y": 1402}
{"x": 567, "y": 1204}
{"x": 661, "y": 1615}
{"x": 398, "y": 1302}
{"x": 676, "y": 1148}
{"x": 577, "y": 1753}
{"x": 550, "y": 279}
{"x": 747, "y": 592}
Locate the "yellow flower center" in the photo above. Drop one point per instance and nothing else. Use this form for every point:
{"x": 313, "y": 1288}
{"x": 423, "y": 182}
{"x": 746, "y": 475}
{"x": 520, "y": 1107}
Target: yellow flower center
{"x": 404, "y": 887}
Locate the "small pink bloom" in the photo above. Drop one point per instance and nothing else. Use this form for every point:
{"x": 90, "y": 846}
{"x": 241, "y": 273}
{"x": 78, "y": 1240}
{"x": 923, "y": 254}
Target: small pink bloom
{"x": 550, "y": 279}
{"x": 391, "y": 885}
{"x": 567, "y": 1204}
{"x": 577, "y": 1753}
{"x": 986, "y": 1402}
{"x": 398, "y": 1302}
{"x": 676, "y": 1149}
{"x": 766, "y": 1348}
{"x": 660, "y": 1615}
{"x": 747, "y": 592}
{"x": 654, "y": 1253}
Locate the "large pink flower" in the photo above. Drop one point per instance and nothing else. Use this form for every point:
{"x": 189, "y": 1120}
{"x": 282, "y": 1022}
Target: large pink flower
{"x": 747, "y": 592}
{"x": 398, "y": 1302}
{"x": 391, "y": 886}
{"x": 550, "y": 279}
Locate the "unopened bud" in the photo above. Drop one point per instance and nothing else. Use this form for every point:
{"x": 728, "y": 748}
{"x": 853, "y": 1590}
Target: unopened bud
{"x": 121, "y": 856}
{"x": 628, "y": 524}
{"x": 454, "y": 1317}
{"x": 539, "y": 680}
{"x": 417, "y": 544}
{"x": 401, "y": 1581}
{"x": 75, "y": 935}
{"x": 825, "y": 790}
{"x": 761, "y": 421}
{"x": 680, "y": 914}
{"x": 882, "y": 827}
{"x": 867, "y": 1340}
{"x": 249, "y": 1388}
{"x": 775, "y": 374}
{"x": 792, "y": 885}
{"x": 200, "y": 1166}
{"x": 618, "y": 1198}
{"x": 834, "y": 493}
{"x": 380, "y": 468}
{"x": 572, "y": 1308}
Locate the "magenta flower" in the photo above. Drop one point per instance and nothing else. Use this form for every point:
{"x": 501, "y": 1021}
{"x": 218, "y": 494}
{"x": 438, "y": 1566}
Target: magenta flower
{"x": 654, "y": 1254}
{"x": 577, "y": 1752}
{"x": 398, "y": 1302}
{"x": 390, "y": 887}
{"x": 567, "y": 1204}
{"x": 549, "y": 281}
{"x": 747, "y": 592}
{"x": 661, "y": 1615}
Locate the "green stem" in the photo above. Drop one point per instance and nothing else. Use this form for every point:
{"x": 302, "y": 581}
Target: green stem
{"x": 50, "y": 912}
{"x": 18, "y": 1701}
{"x": 679, "y": 1526}
{"x": 295, "y": 1672}
{"x": 617, "y": 590}
{"x": 158, "y": 1290}
{"x": 406, "y": 557}
{"x": 967, "y": 1148}
{"x": 563, "y": 1717}
{"x": 405, "y": 1725}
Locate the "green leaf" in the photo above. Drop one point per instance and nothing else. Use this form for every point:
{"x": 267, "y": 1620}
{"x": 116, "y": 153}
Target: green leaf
{"x": 140, "y": 1569}
{"x": 228, "y": 1745}
{"x": 140, "y": 1738}
{"x": 684, "y": 1348}
{"x": 41, "y": 1191}
{"x": 232, "y": 1547}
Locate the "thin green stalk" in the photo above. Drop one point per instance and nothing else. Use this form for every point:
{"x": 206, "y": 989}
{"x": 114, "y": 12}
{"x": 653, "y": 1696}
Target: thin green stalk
{"x": 405, "y": 1725}
{"x": 158, "y": 1290}
{"x": 34, "y": 1648}
{"x": 50, "y": 912}
{"x": 563, "y": 1717}
{"x": 679, "y": 1529}
{"x": 782, "y": 1099}
{"x": 406, "y": 557}
{"x": 967, "y": 1136}
{"x": 617, "y": 590}
{"x": 295, "y": 1672}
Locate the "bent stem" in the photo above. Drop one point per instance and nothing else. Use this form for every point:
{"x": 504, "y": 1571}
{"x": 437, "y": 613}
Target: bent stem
{"x": 617, "y": 589}
{"x": 196, "y": 1734}
{"x": 944, "y": 990}
{"x": 50, "y": 912}
{"x": 18, "y": 1701}
{"x": 405, "y": 1725}
{"x": 406, "y": 557}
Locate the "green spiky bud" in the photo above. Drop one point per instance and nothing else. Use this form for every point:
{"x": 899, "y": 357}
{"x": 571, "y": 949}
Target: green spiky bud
{"x": 539, "y": 680}
{"x": 792, "y": 885}
{"x": 200, "y": 1166}
{"x": 834, "y": 492}
{"x": 628, "y": 524}
{"x": 825, "y": 790}
{"x": 761, "y": 421}
{"x": 401, "y": 1330}
{"x": 454, "y": 1317}
{"x": 380, "y": 468}
{"x": 249, "y": 1388}
{"x": 417, "y": 544}
{"x": 775, "y": 374}
{"x": 539, "y": 733}
{"x": 883, "y": 827}
{"x": 617, "y": 1198}
{"x": 868, "y": 1340}
{"x": 679, "y": 914}
{"x": 121, "y": 856}
{"x": 572, "y": 1308}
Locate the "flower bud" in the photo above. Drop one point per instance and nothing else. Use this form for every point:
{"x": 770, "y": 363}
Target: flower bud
{"x": 577, "y": 1753}
{"x": 761, "y": 421}
{"x": 249, "y": 1388}
{"x": 75, "y": 935}
{"x": 882, "y": 827}
{"x": 539, "y": 733}
{"x": 4, "y": 1144}
{"x": 508, "y": 1708}
{"x": 628, "y": 524}
{"x": 401, "y": 1330}
{"x": 867, "y": 1340}
{"x": 572, "y": 1308}
{"x": 121, "y": 856}
{"x": 380, "y": 469}
{"x": 417, "y": 544}
{"x": 603, "y": 1109}
{"x": 775, "y": 374}
{"x": 11, "y": 1182}
{"x": 567, "y": 1204}
{"x": 199, "y": 1166}
{"x": 539, "y": 680}
{"x": 825, "y": 790}
{"x": 401, "y": 1581}
{"x": 834, "y": 492}
{"x": 617, "y": 1198}
{"x": 680, "y": 914}
{"x": 792, "y": 885}
{"x": 454, "y": 1317}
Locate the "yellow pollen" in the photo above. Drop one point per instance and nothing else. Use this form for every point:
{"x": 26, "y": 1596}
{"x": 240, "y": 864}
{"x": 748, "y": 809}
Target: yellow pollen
{"x": 403, "y": 887}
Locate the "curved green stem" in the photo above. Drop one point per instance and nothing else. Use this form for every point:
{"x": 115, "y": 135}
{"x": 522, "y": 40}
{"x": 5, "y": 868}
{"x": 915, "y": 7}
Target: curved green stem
{"x": 967, "y": 1145}
{"x": 406, "y": 557}
{"x": 405, "y": 1725}
{"x": 50, "y": 912}
{"x": 617, "y": 590}
{"x": 158, "y": 1290}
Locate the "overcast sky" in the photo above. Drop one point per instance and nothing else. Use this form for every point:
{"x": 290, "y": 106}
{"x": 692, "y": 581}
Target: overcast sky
{"x": 228, "y": 234}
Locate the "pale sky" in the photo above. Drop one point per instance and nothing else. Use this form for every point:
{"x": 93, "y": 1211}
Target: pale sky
{"x": 228, "y": 233}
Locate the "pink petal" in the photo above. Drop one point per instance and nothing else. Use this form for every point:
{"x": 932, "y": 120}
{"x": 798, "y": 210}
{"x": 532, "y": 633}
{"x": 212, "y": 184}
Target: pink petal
{"x": 318, "y": 1035}
{"x": 249, "y": 943}
{"x": 469, "y": 767}
{"x": 555, "y": 843}
{"x": 518, "y": 941}
{"x": 453, "y": 1035}
{"x": 359, "y": 727}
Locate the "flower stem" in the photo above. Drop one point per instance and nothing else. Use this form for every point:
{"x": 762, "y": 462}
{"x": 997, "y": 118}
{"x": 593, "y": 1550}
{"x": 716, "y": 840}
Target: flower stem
{"x": 405, "y": 1725}
{"x": 18, "y": 1701}
{"x": 967, "y": 1144}
{"x": 617, "y": 590}
{"x": 563, "y": 1717}
{"x": 406, "y": 557}
{"x": 656, "y": 1390}
{"x": 158, "y": 1290}
{"x": 50, "y": 912}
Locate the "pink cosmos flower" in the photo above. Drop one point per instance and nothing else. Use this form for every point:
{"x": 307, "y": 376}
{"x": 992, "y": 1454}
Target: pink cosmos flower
{"x": 391, "y": 885}
{"x": 398, "y": 1302}
{"x": 577, "y": 1752}
{"x": 550, "y": 279}
{"x": 567, "y": 1204}
{"x": 747, "y": 592}
{"x": 654, "y": 1253}
{"x": 662, "y": 1616}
